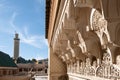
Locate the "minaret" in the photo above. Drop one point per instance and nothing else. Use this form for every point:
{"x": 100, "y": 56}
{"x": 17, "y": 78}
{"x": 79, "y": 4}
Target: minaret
{"x": 16, "y": 47}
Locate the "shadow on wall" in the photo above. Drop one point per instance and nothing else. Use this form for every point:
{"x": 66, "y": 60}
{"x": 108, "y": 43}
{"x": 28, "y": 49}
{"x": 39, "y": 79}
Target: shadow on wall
{"x": 63, "y": 77}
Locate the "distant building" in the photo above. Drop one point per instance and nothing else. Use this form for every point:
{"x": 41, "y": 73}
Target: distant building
{"x": 7, "y": 65}
{"x": 25, "y": 66}
{"x": 40, "y": 65}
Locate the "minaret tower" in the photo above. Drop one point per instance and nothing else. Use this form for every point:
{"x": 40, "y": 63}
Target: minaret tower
{"x": 16, "y": 47}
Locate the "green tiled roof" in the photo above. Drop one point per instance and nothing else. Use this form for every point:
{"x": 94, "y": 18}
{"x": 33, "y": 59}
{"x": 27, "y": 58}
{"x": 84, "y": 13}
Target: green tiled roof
{"x": 6, "y": 61}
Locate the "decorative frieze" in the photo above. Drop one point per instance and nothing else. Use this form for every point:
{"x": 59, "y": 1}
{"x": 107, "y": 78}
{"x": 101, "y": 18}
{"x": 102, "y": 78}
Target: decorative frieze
{"x": 105, "y": 70}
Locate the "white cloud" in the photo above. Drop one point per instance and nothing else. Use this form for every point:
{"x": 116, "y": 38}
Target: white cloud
{"x": 37, "y": 41}
{"x": 3, "y": 46}
{"x": 40, "y": 1}
{"x": 5, "y": 6}
{"x": 39, "y": 6}
{"x": 39, "y": 57}
{"x": 12, "y": 20}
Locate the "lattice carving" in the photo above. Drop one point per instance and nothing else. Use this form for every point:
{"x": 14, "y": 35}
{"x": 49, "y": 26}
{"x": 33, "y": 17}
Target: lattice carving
{"x": 115, "y": 72}
{"x": 100, "y": 71}
{"x": 106, "y": 59}
{"x": 95, "y": 64}
{"x": 92, "y": 72}
{"x": 99, "y": 26}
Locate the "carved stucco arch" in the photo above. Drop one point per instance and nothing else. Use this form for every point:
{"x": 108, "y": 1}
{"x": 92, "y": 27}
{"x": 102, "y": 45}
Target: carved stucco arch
{"x": 93, "y": 45}
{"x": 76, "y": 49}
{"x": 80, "y": 41}
{"x": 93, "y": 58}
{"x": 68, "y": 54}
{"x": 98, "y": 24}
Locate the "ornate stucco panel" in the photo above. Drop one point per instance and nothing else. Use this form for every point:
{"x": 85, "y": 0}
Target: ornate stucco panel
{"x": 99, "y": 26}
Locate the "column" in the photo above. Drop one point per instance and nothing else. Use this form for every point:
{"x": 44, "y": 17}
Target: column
{"x": 68, "y": 68}
{"x": 98, "y": 62}
{"x": 72, "y": 67}
{"x": 56, "y": 66}
{"x": 78, "y": 66}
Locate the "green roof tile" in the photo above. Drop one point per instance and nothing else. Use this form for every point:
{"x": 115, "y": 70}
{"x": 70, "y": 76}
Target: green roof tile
{"x": 6, "y": 61}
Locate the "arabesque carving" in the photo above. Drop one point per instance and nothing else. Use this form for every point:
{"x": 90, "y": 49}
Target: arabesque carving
{"x": 104, "y": 70}
{"x": 99, "y": 25}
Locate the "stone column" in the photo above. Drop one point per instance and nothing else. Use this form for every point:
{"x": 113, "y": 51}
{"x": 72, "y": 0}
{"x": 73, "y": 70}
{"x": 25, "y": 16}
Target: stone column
{"x": 98, "y": 62}
{"x": 78, "y": 66}
{"x": 56, "y": 66}
{"x": 68, "y": 68}
{"x": 75, "y": 65}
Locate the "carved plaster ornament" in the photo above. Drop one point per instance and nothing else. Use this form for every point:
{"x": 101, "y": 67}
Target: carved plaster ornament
{"x": 115, "y": 71}
{"x": 106, "y": 59}
{"x": 63, "y": 58}
{"x": 95, "y": 64}
{"x": 75, "y": 66}
{"x": 81, "y": 64}
{"x": 88, "y": 62}
{"x": 70, "y": 48}
{"x": 100, "y": 71}
{"x": 99, "y": 25}
{"x": 78, "y": 66}
{"x": 72, "y": 67}
{"x": 87, "y": 28}
{"x": 67, "y": 56}
{"x": 104, "y": 68}
{"x": 92, "y": 71}
{"x": 81, "y": 68}
{"x": 81, "y": 42}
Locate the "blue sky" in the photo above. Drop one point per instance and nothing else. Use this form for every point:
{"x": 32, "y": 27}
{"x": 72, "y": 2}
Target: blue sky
{"x": 26, "y": 17}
